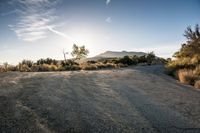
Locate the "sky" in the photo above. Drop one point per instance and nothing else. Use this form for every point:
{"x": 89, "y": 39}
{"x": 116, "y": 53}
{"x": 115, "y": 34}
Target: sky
{"x": 34, "y": 29}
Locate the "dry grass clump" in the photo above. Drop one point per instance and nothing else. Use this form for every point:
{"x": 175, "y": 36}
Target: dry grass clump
{"x": 44, "y": 68}
{"x": 7, "y": 67}
{"x": 1, "y": 69}
{"x": 187, "y": 76}
{"x": 197, "y": 84}
{"x": 197, "y": 70}
{"x": 86, "y": 66}
{"x": 99, "y": 65}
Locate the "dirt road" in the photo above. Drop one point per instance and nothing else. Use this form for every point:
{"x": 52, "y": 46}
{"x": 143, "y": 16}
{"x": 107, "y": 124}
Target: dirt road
{"x": 129, "y": 100}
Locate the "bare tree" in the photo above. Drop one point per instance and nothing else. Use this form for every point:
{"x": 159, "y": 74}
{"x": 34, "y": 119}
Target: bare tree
{"x": 65, "y": 53}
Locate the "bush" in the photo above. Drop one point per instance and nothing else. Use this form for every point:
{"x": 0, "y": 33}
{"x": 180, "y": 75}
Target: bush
{"x": 127, "y": 60}
{"x": 42, "y": 68}
{"x": 69, "y": 68}
{"x": 101, "y": 65}
{"x": 24, "y": 68}
{"x": 142, "y": 59}
{"x": 48, "y": 61}
{"x": 170, "y": 71}
{"x": 91, "y": 62}
{"x": 86, "y": 66}
{"x": 27, "y": 63}
{"x": 2, "y": 69}
{"x": 75, "y": 68}
{"x": 184, "y": 63}
{"x": 35, "y": 68}
{"x": 187, "y": 76}
{"x": 150, "y": 57}
{"x": 69, "y": 63}
{"x": 12, "y": 68}
{"x": 107, "y": 65}
{"x": 47, "y": 67}
{"x": 110, "y": 65}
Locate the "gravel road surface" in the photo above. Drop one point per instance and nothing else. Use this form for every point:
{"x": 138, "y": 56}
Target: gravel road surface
{"x": 130, "y": 100}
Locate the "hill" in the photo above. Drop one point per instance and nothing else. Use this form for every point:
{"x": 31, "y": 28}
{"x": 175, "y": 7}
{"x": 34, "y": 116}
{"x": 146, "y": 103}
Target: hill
{"x": 114, "y": 54}
{"x": 111, "y": 54}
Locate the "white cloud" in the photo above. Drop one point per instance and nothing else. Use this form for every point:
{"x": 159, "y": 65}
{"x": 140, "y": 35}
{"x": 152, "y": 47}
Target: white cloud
{"x": 108, "y": 20}
{"x": 61, "y": 34}
{"x": 34, "y": 19}
{"x": 108, "y": 2}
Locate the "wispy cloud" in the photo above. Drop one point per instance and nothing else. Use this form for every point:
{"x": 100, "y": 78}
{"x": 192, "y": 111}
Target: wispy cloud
{"x": 10, "y": 12}
{"x": 61, "y": 34}
{"x": 35, "y": 17}
{"x": 108, "y": 2}
{"x": 108, "y": 20}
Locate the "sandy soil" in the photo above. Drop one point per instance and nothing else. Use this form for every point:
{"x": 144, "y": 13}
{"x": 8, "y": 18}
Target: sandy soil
{"x": 129, "y": 100}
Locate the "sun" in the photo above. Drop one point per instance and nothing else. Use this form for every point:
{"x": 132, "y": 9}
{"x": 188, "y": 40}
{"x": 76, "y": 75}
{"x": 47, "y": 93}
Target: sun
{"x": 83, "y": 36}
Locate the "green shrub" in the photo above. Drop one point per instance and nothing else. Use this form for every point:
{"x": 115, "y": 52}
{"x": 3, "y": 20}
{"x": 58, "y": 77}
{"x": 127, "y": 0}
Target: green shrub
{"x": 69, "y": 68}
{"x": 91, "y": 62}
{"x": 48, "y": 61}
{"x": 75, "y": 68}
{"x": 170, "y": 71}
{"x": 142, "y": 59}
{"x": 150, "y": 57}
{"x": 27, "y": 63}
{"x": 127, "y": 60}
{"x": 69, "y": 63}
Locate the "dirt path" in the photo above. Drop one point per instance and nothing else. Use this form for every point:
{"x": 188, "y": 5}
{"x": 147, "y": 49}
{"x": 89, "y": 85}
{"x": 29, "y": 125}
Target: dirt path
{"x": 135, "y": 99}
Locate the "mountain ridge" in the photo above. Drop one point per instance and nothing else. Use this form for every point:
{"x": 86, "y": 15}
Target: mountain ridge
{"x": 115, "y": 54}
{"x": 112, "y": 54}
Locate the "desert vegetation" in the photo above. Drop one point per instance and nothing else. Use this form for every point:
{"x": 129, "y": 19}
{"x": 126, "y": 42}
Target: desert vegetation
{"x": 186, "y": 63}
{"x": 78, "y": 53}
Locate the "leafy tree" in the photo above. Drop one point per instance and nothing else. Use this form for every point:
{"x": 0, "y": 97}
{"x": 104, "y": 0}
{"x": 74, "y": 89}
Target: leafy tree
{"x": 192, "y": 46}
{"x": 79, "y": 52}
{"x": 150, "y": 57}
{"x": 192, "y": 35}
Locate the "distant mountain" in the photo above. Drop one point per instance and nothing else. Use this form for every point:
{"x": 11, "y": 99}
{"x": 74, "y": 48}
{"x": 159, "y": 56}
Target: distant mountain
{"x": 114, "y": 54}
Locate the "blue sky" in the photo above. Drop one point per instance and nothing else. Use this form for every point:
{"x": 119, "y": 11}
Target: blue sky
{"x": 34, "y": 29}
